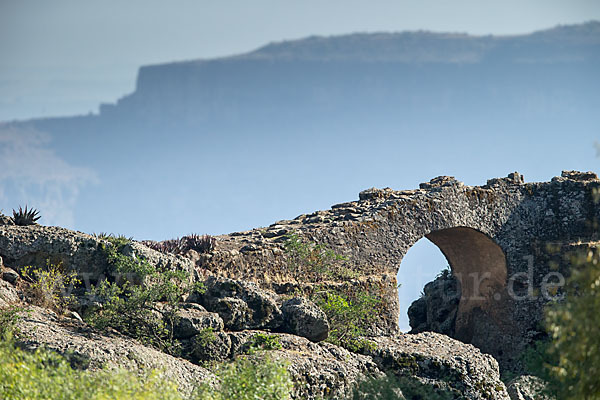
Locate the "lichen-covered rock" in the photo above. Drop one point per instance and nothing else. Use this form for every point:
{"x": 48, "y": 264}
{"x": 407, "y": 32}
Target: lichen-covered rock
{"x": 192, "y": 319}
{"x": 303, "y": 318}
{"x": 8, "y": 294}
{"x": 209, "y": 346}
{"x": 242, "y": 305}
{"x": 35, "y": 245}
{"x": 319, "y": 370}
{"x": 527, "y": 387}
{"x": 88, "y": 349}
{"x": 438, "y": 360}
{"x": 436, "y": 310}
{"x": 4, "y": 220}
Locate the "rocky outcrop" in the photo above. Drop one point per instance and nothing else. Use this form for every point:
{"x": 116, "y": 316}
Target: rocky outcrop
{"x": 37, "y": 245}
{"x": 435, "y": 310}
{"x": 192, "y": 319}
{"x": 241, "y": 305}
{"x": 303, "y": 318}
{"x": 251, "y": 280}
{"x": 317, "y": 369}
{"x": 442, "y": 362}
{"x": 87, "y": 349}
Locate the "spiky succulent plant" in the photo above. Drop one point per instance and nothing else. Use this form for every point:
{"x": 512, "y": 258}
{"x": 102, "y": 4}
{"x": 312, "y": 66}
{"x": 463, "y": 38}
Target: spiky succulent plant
{"x": 25, "y": 217}
{"x": 199, "y": 243}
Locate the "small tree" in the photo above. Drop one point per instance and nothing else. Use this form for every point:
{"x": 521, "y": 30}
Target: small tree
{"x": 574, "y": 327}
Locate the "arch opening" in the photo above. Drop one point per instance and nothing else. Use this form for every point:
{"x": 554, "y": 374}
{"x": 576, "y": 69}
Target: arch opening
{"x": 421, "y": 265}
{"x": 478, "y": 265}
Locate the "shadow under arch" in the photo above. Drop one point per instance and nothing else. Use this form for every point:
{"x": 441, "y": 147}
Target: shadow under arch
{"x": 479, "y": 264}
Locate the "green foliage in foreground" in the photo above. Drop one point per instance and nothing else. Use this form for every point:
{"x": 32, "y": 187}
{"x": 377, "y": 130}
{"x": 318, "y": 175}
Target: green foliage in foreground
{"x": 573, "y": 354}
{"x": 45, "y": 375}
{"x": 9, "y": 317}
{"x": 249, "y": 378}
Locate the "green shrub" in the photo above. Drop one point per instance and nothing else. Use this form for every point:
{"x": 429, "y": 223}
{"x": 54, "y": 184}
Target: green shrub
{"x": 205, "y": 337}
{"x": 263, "y": 341}
{"x": 348, "y": 317}
{"x": 50, "y": 287}
{"x": 248, "y": 378}
{"x": 121, "y": 263}
{"x": 309, "y": 260}
{"x": 9, "y": 318}
{"x": 43, "y": 375}
{"x": 146, "y": 310}
{"x": 349, "y": 314}
{"x": 573, "y": 354}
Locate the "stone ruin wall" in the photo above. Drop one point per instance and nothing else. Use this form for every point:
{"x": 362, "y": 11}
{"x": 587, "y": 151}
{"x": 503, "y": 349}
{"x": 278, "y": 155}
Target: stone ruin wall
{"x": 497, "y": 238}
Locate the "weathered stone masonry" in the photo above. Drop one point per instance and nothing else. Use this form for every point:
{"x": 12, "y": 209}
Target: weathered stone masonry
{"x": 490, "y": 235}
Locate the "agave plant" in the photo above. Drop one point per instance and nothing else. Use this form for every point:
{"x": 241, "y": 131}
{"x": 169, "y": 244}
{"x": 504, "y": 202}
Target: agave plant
{"x": 25, "y": 217}
{"x": 199, "y": 243}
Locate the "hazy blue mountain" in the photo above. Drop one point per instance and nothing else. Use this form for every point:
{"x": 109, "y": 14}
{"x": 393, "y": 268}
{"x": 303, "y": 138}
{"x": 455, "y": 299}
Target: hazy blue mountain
{"x": 223, "y": 144}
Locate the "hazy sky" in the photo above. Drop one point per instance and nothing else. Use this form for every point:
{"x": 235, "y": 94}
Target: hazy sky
{"x": 63, "y": 57}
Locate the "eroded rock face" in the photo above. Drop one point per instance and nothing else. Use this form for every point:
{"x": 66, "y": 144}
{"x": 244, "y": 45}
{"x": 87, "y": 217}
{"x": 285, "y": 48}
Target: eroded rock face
{"x": 192, "y": 319}
{"x": 440, "y": 361}
{"x": 88, "y": 349}
{"x": 317, "y": 369}
{"x": 303, "y": 318}
{"x": 436, "y": 310}
{"x": 36, "y": 245}
{"x": 241, "y": 305}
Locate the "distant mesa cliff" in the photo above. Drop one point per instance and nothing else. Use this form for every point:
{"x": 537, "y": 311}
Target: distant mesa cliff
{"x": 389, "y": 76}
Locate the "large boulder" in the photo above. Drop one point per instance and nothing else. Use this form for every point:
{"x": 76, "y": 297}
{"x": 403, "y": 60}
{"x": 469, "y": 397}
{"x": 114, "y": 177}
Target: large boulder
{"x": 303, "y": 318}
{"x": 319, "y": 370}
{"x": 87, "y": 349}
{"x": 242, "y": 305}
{"x": 442, "y": 362}
{"x": 193, "y": 319}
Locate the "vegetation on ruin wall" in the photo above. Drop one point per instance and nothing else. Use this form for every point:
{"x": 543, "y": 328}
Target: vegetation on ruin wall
{"x": 350, "y": 313}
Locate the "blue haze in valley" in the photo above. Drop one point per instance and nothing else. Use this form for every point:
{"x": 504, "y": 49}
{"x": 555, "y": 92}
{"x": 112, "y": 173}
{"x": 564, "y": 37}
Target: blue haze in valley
{"x": 221, "y": 144}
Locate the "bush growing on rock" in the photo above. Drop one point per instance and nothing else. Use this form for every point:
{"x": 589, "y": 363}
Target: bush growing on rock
{"x": 573, "y": 355}
{"x": 50, "y": 287}
{"x": 348, "y": 317}
{"x": 43, "y": 375}
{"x": 145, "y": 306}
{"x": 250, "y": 378}
{"x": 312, "y": 261}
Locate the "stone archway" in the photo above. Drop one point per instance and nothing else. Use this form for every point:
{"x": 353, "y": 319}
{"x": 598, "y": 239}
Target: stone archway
{"x": 479, "y": 265}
